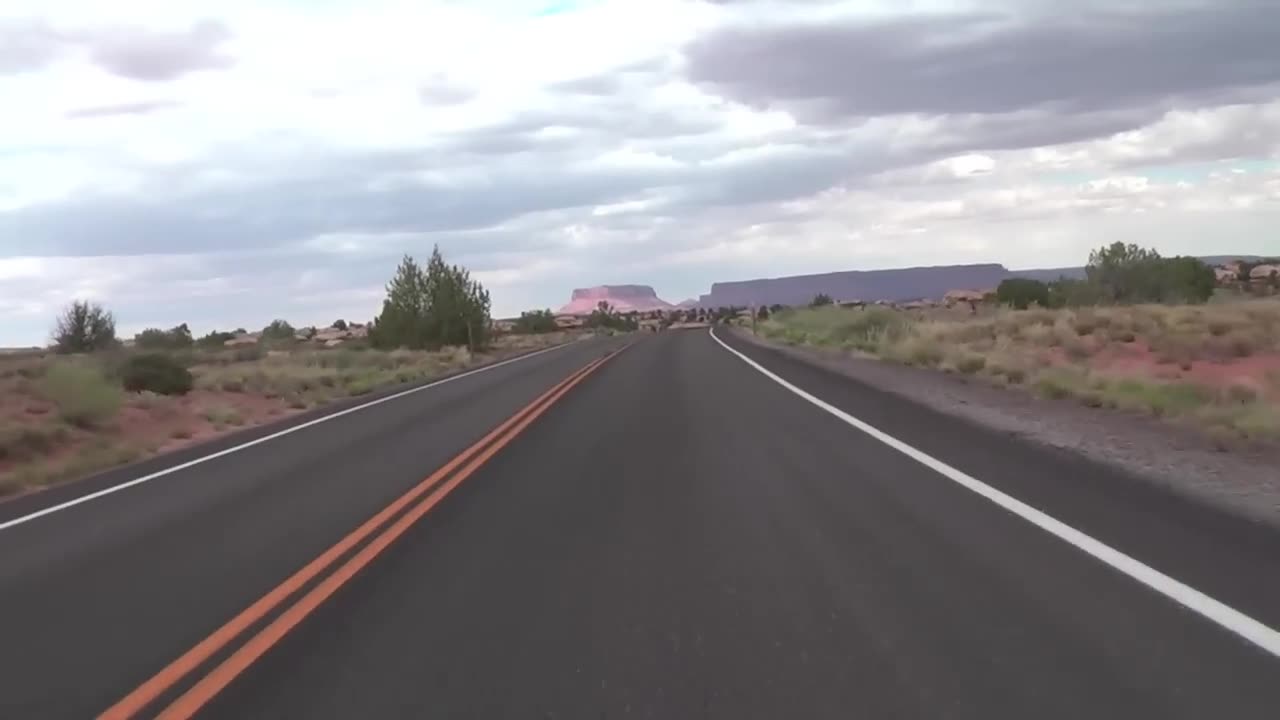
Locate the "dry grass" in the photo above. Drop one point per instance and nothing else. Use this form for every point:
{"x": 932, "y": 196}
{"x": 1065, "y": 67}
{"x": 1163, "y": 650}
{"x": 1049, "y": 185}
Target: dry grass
{"x": 1172, "y": 362}
{"x": 62, "y": 418}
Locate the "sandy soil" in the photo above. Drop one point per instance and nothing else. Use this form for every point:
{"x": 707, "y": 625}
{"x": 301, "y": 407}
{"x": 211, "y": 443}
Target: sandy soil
{"x": 1245, "y": 480}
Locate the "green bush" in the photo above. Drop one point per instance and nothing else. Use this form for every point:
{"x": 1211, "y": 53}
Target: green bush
{"x": 157, "y": 373}
{"x": 83, "y": 395}
{"x": 215, "y": 340}
{"x": 278, "y": 330}
{"x": 537, "y": 321}
{"x": 156, "y": 339}
{"x": 1022, "y": 293}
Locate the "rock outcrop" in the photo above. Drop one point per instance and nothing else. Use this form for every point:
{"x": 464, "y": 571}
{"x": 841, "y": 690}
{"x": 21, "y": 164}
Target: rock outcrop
{"x": 623, "y": 298}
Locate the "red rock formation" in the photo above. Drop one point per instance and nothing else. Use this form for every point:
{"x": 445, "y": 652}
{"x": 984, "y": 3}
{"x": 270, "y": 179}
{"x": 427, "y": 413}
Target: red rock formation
{"x": 623, "y": 298}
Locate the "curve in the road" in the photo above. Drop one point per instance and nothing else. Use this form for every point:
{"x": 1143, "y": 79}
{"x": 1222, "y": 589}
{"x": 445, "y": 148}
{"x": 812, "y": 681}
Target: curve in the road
{"x": 1220, "y": 613}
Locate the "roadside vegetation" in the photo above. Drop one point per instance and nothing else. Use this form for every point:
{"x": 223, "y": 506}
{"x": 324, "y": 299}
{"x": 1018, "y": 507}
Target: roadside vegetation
{"x": 93, "y": 401}
{"x": 1140, "y": 334}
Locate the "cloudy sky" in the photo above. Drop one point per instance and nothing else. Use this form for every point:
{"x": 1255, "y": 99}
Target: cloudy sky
{"x": 226, "y": 163}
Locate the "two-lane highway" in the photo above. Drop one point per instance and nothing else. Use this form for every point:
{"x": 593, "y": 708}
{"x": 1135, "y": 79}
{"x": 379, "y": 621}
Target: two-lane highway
{"x": 684, "y": 531}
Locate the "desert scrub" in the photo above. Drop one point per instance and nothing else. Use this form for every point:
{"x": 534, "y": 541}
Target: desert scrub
{"x": 867, "y": 330}
{"x": 220, "y": 416}
{"x": 156, "y": 373}
{"x": 966, "y": 363}
{"x": 1162, "y": 399}
{"x": 83, "y": 396}
{"x": 1061, "y": 383}
{"x": 26, "y": 442}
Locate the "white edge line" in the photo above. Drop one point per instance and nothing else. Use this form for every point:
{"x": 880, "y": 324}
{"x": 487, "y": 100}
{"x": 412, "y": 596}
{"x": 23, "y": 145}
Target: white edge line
{"x": 287, "y": 431}
{"x": 1224, "y": 615}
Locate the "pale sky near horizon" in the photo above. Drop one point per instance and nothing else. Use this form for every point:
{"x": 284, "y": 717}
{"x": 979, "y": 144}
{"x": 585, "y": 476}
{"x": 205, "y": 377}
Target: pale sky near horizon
{"x": 226, "y": 163}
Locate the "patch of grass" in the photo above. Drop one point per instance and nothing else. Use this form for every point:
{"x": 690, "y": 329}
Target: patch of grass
{"x": 181, "y": 433}
{"x": 82, "y": 394}
{"x": 1086, "y": 323}
{"x": 1176, "y": 349}
{"x": 1121, "y": 334}
{"x": 1219, "y": 326}
{"x": 967, "y": 363}
{"x": 1242, "y": 394}
{"x": 1060, "y": 383}
{"x": 220, "y": 416}
{"x": 1235, "y": 344}
{"x": 1042, "y": 335}
{"x": 1162, "y": 399}
{"x": 866, "y": 330}
{"x": 26, "y": 442}
{"x": 919, "y": 352}
{"x": 1230, "y": 423}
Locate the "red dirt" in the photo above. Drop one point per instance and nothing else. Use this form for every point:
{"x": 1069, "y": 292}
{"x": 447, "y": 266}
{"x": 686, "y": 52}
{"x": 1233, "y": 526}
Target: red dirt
{"x": 157, "y": 426}
{"x": 150, "y": 423}
{"x": 1136, "y": 360}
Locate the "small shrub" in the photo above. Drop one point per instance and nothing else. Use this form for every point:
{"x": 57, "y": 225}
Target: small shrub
{"x": 1085, "y": 324}
{"x": 1121, "y": 334}
{"x": 1059, "y": 383}
{"x": 969, "y": 363}
{"x": 923, "y": 353}
{"x": 1219, "y": 327}
{"x": 157, "y": 373}
{"x": 83, "y": 395}
{"x": 1092, "y": 398}
{"x": 1240, "y": 344}
{"x": 1053, "y": 387}
{"x": 1076, "y": 349}
{"x": 248, "y": 353}
{"x": 21, "y": 443}
{"x": 181, "y": 433}
{"x": 1042, "y": 335}
{"x": 1241, "y": 393}
{"x": 232, "y": 385}
{"x": 1160, "y": 398}
{"x": 1015, "y": 375}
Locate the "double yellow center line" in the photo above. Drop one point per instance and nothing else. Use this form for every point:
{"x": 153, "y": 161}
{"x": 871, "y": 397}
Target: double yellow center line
{"x": 427, "y": 494}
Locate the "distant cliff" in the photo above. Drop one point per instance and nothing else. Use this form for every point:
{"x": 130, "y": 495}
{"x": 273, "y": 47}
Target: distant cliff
{"x": 894, "y": 285}
{"x": 623, "y": 298}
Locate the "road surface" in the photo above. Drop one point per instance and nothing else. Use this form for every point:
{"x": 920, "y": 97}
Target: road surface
{"x": 672, "y": 531}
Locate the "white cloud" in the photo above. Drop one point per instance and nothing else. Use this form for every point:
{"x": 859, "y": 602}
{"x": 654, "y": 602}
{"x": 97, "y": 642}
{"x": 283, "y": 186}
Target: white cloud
{"x": 219, "y": 164}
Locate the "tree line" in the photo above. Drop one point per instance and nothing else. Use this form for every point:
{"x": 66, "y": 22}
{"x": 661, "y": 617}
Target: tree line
{"x": 1117, "y": 274}
{"x": 425, "y": 308}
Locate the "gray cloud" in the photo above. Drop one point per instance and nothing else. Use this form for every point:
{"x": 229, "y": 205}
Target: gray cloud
{"x": 991, "y": 63}
{"x": 153, "y": 56}
{"x": 131, "y": 52}
{"x": 27, "y": 45}
{"x": 441, "y": 91}
{"x": 134, "y": 108}
{"x": 588, "y": 125}
{"x": 334, "y": 198}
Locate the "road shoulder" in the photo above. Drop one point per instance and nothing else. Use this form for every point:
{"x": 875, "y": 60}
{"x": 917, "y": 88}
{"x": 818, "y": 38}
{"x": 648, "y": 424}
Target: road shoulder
{"x": 1243, "y": 482}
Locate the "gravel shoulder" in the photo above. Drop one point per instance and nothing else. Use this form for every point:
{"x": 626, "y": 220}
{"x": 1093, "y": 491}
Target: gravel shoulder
{"x": 1244, "y": 481}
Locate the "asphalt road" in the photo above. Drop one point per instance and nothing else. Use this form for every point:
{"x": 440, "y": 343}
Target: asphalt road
{"x": 677, "y": 536}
